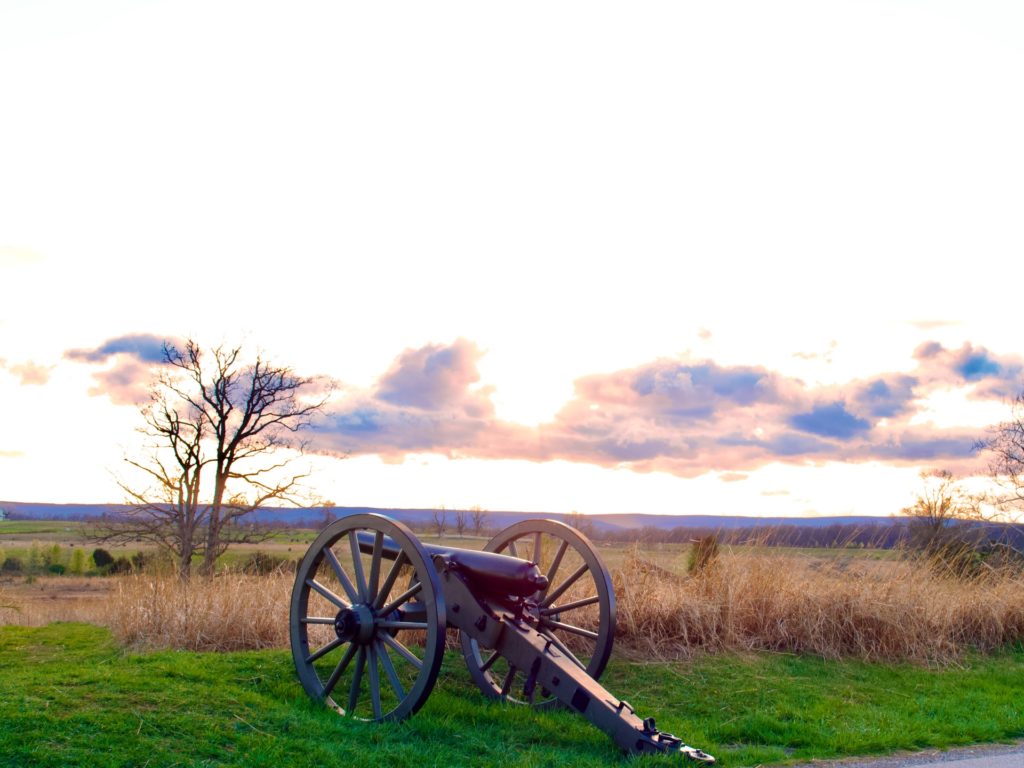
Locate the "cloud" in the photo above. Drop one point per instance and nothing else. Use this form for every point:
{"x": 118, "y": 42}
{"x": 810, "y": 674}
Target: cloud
{"x": 991, "y": 376}
{"x": 31, "y": 374}
{"x": 4, "y": 454}
{"x": 682, "y": 416}
{"x": 832, "y": 420}
{"x": 826, "y": 355}
{"x": 436, "y": 377}
{"x": 930, "y": 325}
{"x": 142, "y": 346}
{"x": 884, "y": 396}
{"x": 126, "y": 381}
{"x": 426, "y": 401}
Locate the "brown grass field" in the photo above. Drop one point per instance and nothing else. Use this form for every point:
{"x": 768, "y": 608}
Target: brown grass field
{"x": 830, "y": 606}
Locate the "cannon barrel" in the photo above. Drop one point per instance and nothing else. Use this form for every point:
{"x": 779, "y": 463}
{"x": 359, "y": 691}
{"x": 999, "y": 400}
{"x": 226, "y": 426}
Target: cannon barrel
{"x": 496, "y": 574}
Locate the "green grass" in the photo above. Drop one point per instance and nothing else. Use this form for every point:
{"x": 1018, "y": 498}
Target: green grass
{"x": 70, "y": 697}
{"x": 36, "y": 527}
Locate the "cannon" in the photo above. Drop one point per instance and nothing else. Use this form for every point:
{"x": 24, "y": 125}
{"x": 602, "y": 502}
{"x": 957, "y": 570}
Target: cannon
{"x": 535, "y": 611}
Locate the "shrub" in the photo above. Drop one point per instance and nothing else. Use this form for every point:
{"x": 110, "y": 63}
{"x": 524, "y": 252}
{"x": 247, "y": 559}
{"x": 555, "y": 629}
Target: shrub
{"x": 13, "y": 565}
{"x": 101, "y": 558}
{"x": 262, "y": 563}
{"x": 703, "y": 554}
{"x": 53, "y": 556}
{"x": 120, "y": 565}
{"x": 77, "y": 565}
{"x": 35, "y": 557}
{"x": 56, "y": 568}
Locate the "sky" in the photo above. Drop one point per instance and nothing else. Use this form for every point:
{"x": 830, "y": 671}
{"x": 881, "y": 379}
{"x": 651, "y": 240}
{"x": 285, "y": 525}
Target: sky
{"x": 710, "y": 258}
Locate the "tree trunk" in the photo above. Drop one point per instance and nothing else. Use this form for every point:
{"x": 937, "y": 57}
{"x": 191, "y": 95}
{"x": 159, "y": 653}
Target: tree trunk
{"x": 185, "y": 563}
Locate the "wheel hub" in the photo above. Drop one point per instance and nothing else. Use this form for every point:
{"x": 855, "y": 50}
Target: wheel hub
{"x": 355, "y": 624}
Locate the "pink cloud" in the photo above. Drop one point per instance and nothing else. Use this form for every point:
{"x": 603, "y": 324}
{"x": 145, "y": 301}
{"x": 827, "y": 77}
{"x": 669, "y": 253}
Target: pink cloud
{"x": 32, "y": 374}
{"x": 126, "y": 383}
{"x": 684, "y": 417}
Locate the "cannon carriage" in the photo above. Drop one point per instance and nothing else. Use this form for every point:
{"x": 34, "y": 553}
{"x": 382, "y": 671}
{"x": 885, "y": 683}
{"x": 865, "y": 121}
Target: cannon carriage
{"x": 535, "y": 611}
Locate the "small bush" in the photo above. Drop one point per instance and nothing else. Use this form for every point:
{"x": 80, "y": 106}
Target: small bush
{"x": 102, "y": 558}
{"x": 56, "y": 568}
{"x": 703, "y": 554}
{"x": 35, "y": 557}
{"x": 77, "y": 565}
{"x": 120, "y": 565}
{"x": 142, "y": 560}
{"x": 53, "y": 556}
{"x": 13, "y": 565}
{"x": 262, "y": 563}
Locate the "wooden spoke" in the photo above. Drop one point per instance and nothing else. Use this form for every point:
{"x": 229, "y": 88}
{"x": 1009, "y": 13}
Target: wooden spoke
{"x": 357, "y": 565}
{"x": 402, "y": 650}
{"x": 506, "y": 684}
{"x": 569, "y": 606}
{"x": 378, "y": 545}
{"x": 374, "y": 682}
{"x": 357, "y": 679}
{"x": 389, "y": 582}
{"x": 402, "y": 598}
{"x": 570, "y": 628}
{"x": 551, "y": 597}
{"x": 490, "y": 661}
{"x": 325, "y": 650}
{"x": 536, "y": 548}
{"x": 346, "y": 583}
{"x": 339, "y": 670}
{"x": 554, "y": 566}
{"x": 512, "y": 550}
{"x": 389, "y": 670}
{"x": 314, "y": 584}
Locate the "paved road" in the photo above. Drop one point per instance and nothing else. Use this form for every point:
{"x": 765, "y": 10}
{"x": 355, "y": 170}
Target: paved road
{"x": 1002, "y": 756}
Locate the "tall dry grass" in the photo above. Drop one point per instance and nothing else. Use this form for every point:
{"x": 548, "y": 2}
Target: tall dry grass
{"x": 901, "y": 610}
{"x": 49, "y": 599}
{"x": 233, "y": 611}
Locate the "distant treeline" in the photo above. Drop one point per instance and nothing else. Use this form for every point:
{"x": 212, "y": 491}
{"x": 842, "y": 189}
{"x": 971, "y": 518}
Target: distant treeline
{"x": 891, "y": 535}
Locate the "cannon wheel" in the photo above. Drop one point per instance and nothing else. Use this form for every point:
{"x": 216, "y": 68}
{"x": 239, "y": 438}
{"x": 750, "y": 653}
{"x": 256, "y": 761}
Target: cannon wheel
{"x": 346, "y": 627}
{"x": 569, "y": 560}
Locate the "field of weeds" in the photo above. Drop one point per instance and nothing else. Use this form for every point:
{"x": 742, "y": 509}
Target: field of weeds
{"x": 890, "y": 610}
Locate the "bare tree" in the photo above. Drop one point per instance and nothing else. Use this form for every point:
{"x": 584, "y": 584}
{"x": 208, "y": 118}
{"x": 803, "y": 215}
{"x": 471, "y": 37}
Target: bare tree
{"x": 1005, "y": 448}
{"x": 580, "y": 522}
{"x": 329, "y": 514}
{"x": 477, "y": 515}
{"x": 461, "y": 521}
{"x": 214, "y": 419}
{"x": 167, "y": 510}
{"x": 940, "y": 505}
{"x": 440, "y": 520}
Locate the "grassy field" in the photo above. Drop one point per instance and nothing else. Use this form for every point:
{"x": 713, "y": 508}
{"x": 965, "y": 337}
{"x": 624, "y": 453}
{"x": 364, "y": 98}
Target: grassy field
{"x": 70, "y": 697}
{"x": 17, "y": 537}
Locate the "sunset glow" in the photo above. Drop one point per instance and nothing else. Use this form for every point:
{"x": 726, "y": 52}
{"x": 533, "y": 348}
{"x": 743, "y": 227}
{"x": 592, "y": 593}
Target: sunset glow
{"x": 738, "y": 258}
